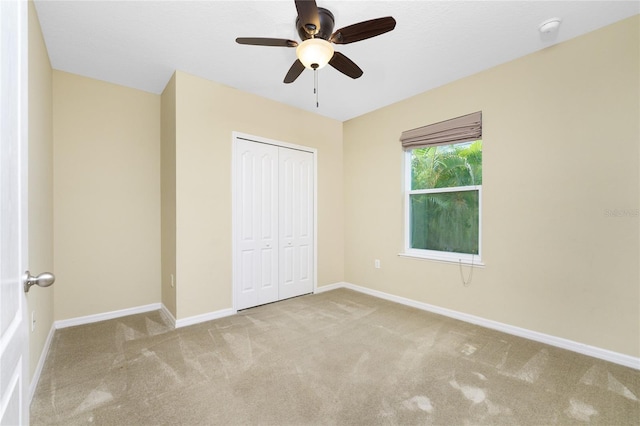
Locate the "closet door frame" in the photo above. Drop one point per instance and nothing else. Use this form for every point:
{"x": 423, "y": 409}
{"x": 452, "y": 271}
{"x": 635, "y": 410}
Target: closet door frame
{"x": 235, "y": 187}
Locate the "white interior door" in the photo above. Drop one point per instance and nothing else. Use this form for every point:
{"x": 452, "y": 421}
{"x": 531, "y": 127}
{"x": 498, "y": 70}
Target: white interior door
{"x": 296, "y": 222}
{"x": 257, "y": 223}
{"x": 274, "y": 225}
{"x": 13, "y": 213}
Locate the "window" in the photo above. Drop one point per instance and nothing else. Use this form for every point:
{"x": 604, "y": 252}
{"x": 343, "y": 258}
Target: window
{"x": 443, "y": 201}
{"x": 443, "y": 197}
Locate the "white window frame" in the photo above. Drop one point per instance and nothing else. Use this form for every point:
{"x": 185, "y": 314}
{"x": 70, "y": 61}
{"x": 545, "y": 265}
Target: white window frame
{"x": 442, "y": 256}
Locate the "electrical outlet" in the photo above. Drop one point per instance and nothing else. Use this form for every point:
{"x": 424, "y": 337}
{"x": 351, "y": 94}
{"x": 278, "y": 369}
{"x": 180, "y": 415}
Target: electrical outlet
{"x": 33, "y": 320}
{"x": 173, "y": 281}
{"x": 377, "y": 263}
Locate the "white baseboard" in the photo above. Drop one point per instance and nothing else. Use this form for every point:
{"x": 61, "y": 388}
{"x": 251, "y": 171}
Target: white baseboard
{"x": 176, "y": 323}
{"x": 196, "y": 319}
{"x": 592, "y": 351}
{"x": 71, "y": 322}
{"x": 330, "y": 287}
{"x": 168, "y": 315}
{"x": 43, "y": 357}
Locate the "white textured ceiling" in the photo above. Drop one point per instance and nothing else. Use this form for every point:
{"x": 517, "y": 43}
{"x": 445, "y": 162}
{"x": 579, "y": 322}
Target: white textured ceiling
{"x": 141, "y": 43}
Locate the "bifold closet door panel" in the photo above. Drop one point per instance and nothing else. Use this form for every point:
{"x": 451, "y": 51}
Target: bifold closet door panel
{"x": 257, "y": 216}
{"x": 296, "y": 222}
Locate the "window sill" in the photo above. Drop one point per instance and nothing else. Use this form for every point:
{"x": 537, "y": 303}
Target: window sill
{"x": 465, "y": 262}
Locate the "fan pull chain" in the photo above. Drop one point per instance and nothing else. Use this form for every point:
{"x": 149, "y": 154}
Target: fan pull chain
{"x": 315, "y": 86}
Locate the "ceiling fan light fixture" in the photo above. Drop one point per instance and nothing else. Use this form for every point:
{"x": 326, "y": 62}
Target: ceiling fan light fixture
{"x": 314, "y": 53}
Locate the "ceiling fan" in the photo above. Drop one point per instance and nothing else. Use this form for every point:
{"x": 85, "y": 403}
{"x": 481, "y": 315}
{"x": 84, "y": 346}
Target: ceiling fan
{"x": 315, "y": 28}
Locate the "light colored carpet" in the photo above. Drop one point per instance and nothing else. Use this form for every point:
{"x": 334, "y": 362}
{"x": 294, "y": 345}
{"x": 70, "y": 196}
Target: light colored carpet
{"x": 336, "y": 358}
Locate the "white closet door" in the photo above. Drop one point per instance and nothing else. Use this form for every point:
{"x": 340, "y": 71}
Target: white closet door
{"x": 257, "y": 224}
{"x": 296, "y": 222}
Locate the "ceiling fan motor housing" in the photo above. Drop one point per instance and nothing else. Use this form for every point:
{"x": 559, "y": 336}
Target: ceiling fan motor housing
{"x": 327, "y": 22}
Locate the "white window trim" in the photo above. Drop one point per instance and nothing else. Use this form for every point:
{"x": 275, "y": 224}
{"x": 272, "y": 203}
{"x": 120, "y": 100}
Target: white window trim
{"x": 439, "y": 256}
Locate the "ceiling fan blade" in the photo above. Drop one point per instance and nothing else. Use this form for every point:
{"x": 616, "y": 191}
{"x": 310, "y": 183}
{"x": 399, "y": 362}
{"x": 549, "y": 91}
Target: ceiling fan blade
{"x": 262, "y": 41}
{"x": 295, "y": 70}
{"x": 363, "y": 30}
{"x": 345, "y": 65}
{"x": 308, "y": 15}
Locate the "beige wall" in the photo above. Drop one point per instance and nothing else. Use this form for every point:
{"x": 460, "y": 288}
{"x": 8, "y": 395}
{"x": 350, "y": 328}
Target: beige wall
{"x": 561, "y": 141}
{"x": 168, "y": 193}
{"x": 106, "y": 196}
{"x": 207, "y": 113}
{"x": 40, "y": 300}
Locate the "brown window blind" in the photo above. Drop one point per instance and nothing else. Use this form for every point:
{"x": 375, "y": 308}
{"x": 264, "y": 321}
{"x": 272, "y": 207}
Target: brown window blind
{"x": 461, "y": 129}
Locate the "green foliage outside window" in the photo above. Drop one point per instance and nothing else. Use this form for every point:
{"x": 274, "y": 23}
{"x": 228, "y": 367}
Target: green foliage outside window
{"x": 446, "y": 221}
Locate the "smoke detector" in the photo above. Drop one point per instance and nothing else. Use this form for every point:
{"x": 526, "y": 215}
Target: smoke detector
{"x": 550, "y": 26}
